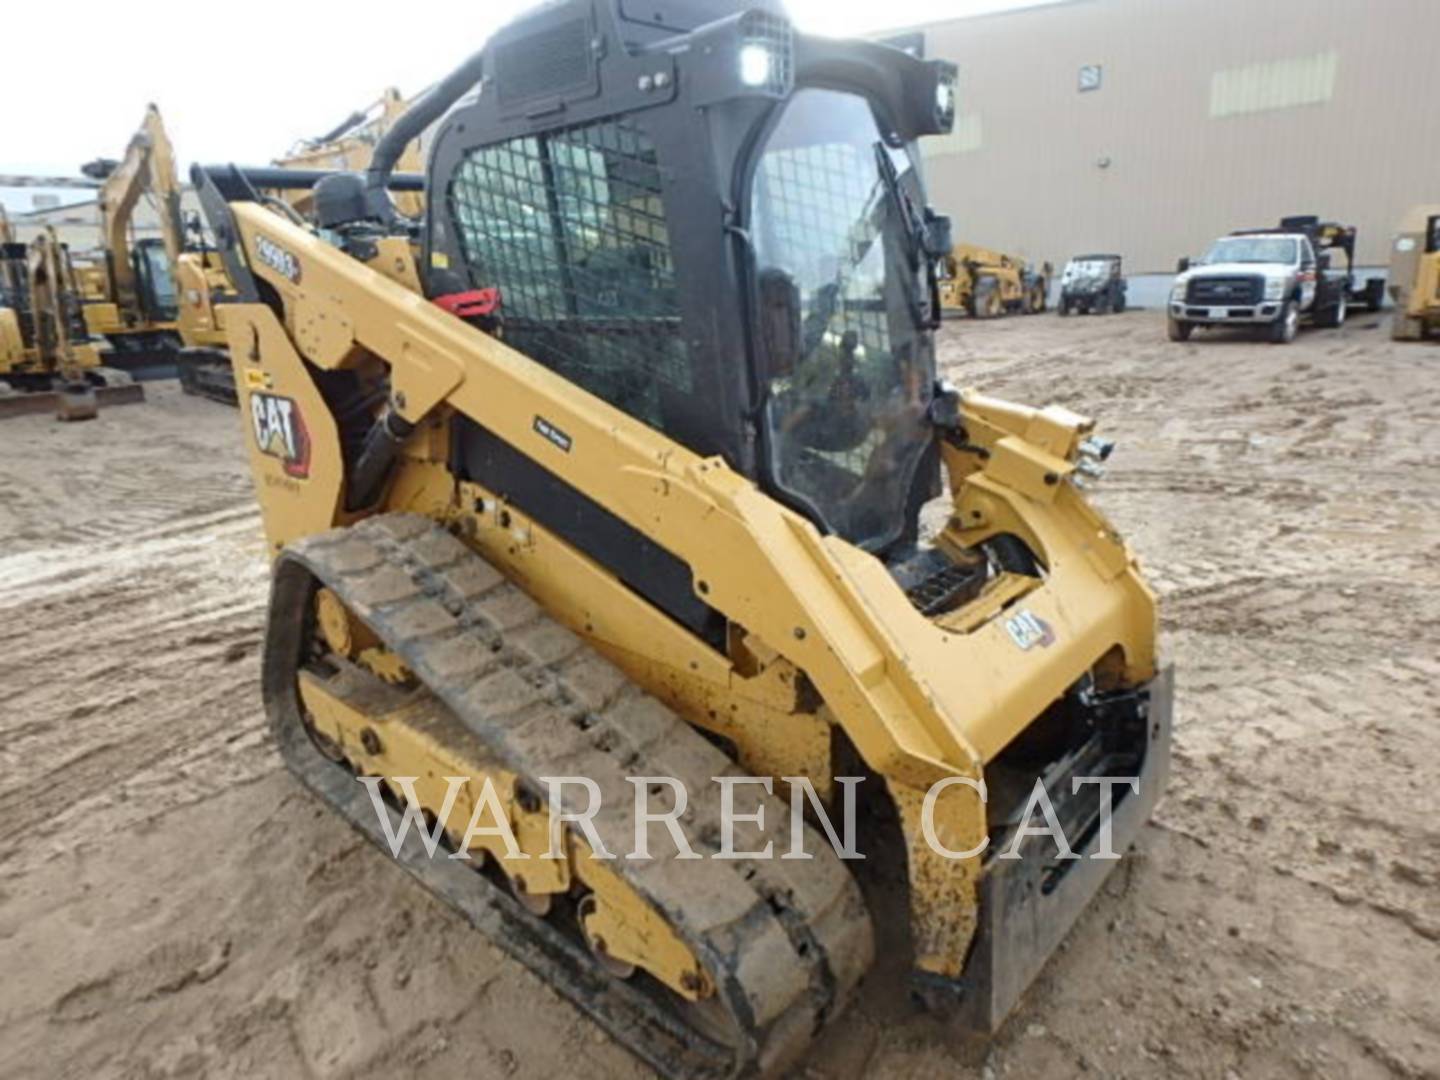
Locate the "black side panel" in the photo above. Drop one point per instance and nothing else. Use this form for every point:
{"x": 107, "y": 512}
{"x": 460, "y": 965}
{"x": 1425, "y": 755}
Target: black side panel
{"x": 660, "y": 577}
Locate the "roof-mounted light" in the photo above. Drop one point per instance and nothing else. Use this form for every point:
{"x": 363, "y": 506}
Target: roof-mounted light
{"x": 755, "y": 64}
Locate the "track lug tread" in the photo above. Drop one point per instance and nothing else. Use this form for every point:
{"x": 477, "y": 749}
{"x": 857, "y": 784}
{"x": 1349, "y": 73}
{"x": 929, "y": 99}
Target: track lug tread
{"x": 530, "y": 696}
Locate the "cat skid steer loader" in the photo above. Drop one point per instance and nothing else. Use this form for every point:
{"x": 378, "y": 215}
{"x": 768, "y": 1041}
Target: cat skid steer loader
{"x": 611, "y": 468}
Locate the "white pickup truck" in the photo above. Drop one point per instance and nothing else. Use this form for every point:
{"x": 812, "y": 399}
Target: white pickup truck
{"x": 1271, "y": 279}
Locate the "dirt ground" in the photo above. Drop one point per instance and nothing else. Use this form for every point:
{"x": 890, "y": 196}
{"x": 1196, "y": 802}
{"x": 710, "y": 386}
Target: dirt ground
{"x": 172, "y": 904}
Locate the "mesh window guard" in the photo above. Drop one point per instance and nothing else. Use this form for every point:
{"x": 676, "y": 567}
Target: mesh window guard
{"x": 571, "y": 227}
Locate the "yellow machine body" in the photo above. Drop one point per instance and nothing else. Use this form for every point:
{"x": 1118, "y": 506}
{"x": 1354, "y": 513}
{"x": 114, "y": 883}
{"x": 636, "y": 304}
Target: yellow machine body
{"x": 452, "y": 519}
{"x": 129, "y": 298}
{"x": 921, "y": 700}
{"x": 48, "y": 360}
{"x": 985, "y": 283}
{"x": 1415, "y": 275}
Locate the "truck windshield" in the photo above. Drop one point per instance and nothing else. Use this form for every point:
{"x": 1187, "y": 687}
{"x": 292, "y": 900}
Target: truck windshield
{"x": 1252, "y": 249}
{"x": 847, "y": 425}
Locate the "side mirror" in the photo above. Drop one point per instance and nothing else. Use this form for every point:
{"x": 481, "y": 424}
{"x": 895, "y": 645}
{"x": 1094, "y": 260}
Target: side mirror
{"x": 1183, "y": 264}
{"x": 944, "y": 409}
{"x": 938, "y": 240}
{"x": 779, "y": 322}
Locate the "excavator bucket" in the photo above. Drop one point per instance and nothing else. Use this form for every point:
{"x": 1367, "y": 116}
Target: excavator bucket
{"x": 81, "y": 405}
{"x": 76, "y": 401}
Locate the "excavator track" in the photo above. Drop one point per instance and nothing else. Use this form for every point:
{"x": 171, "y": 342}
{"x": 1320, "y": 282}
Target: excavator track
{"x": 207, "y": 373}
{"x": 782, "y": 943}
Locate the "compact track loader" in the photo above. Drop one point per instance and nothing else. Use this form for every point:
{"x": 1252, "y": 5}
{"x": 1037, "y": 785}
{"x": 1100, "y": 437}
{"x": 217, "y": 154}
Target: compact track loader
{"x": 611, "y": 467}
{"x": 48, "y": 363}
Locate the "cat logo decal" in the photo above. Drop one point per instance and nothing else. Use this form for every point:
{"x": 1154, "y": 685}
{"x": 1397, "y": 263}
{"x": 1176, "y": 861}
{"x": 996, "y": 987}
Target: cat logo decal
{"x": 280, "y": 432}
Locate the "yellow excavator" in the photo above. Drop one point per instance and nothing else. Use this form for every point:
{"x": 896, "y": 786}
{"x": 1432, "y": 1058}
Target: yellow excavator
{"x": 593, "y": 499}
{"x": 131, "y": 298}
{"x": 48, "y": 362}
{"x": 986, "y": 284}
{"x": 203, "y": 286}
{"x": 1415, "y": 276}
{"x": 350, "y": 145}
{"x": 155, "y": 299}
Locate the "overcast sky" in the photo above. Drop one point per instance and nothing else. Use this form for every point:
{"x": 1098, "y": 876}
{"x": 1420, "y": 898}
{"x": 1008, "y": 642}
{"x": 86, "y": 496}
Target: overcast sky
{"x": 242, "y": 82}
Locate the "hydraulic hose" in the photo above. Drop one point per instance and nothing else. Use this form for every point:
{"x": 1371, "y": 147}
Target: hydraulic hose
{"x": 372, "y": 467}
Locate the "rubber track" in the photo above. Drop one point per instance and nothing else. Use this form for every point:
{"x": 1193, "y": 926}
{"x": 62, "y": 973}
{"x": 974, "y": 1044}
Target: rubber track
{"x": 207, "y": 373}
{"x": 786, "y": 941}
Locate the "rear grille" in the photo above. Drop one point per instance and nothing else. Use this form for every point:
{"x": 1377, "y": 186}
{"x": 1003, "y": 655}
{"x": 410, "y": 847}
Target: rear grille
{"x": 1224, "y": 291}
{"x": 547, "y": 63}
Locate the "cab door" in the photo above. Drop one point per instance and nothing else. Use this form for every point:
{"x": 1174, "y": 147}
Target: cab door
{"x": 1309, "y": 275}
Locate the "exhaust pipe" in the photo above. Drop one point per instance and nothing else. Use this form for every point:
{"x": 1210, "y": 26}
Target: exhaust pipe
{"x": 412, "y": 122}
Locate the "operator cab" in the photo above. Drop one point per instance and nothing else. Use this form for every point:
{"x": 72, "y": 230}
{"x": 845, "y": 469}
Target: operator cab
{"x": 154, "y": 281}
{"x": 719, "y": 226}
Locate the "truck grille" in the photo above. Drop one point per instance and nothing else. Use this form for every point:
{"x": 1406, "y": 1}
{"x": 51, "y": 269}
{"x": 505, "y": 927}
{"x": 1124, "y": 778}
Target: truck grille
{"x": 1224, "y": 291}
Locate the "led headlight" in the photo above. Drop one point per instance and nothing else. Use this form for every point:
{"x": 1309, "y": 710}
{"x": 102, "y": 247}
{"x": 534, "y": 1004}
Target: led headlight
{"x": 1177, "y": 291}
{"x": 1274, "y": 288}
{"x": 748, "y": 54}
{"x": 755, "y": 64}
{"x": 945, "y": 101}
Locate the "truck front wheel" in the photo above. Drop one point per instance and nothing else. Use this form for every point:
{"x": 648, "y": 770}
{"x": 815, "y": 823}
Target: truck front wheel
{"x": 1286, "y": 325}
{"x": 1178, "y": 329}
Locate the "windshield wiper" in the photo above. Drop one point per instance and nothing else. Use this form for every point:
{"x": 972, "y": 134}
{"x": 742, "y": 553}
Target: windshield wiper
{"x": 914, "y": 229}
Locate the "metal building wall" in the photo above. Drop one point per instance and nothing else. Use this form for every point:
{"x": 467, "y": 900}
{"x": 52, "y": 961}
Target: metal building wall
{"x": 1211, "y": 115}
{"x": 78, "y": 223}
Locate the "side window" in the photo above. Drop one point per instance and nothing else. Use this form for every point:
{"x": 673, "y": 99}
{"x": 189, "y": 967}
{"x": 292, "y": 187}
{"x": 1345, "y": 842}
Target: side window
{"x": 571, "y": 227}
{"x": 1307, "y": 255}
{"x": 153, "y": 267}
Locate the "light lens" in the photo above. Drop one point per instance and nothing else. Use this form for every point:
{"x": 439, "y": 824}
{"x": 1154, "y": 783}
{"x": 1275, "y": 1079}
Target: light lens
{"x": 944, "y": 98}
{"x": 754, "y": 65}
